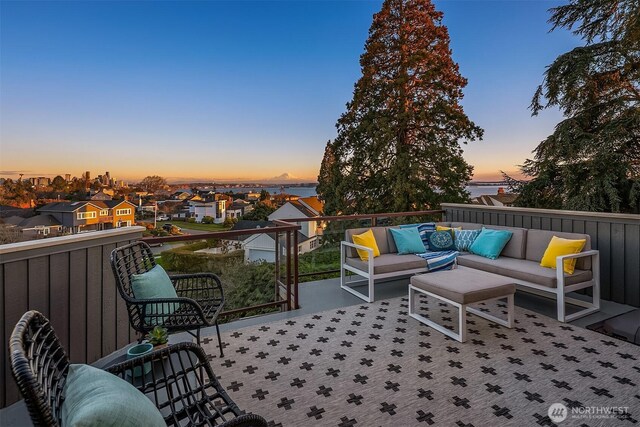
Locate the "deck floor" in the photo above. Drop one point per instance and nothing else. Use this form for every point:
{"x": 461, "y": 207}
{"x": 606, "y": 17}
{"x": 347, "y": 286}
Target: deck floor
{"x": 326, "y": 295}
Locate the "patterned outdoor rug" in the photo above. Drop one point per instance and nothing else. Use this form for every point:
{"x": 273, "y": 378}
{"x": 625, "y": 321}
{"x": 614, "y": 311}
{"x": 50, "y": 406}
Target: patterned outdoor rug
{"x": 373, "y": 365}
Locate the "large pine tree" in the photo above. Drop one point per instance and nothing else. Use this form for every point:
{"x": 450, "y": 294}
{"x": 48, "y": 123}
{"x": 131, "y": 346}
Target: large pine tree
{"x": 398, "y": 143}
{"x": 592, "y": 160}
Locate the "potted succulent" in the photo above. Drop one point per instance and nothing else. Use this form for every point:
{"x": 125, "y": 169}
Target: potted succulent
{"x": 158, "y": 337}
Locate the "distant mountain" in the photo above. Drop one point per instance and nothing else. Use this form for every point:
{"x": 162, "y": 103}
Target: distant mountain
{"x": 284, "y": 178}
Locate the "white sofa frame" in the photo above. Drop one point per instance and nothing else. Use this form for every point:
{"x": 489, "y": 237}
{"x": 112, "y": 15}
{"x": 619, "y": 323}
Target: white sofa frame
{"x": 461, "y": 335}
{"x": 369, "y": 274}
{"x": 559, "y": 293}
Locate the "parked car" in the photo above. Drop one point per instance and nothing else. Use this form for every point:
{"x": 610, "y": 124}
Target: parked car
{"x": 162, "y": 218}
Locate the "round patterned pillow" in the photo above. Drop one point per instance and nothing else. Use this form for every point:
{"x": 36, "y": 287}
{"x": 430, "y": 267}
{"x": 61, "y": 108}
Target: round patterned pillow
{"x": 441, "y": 241}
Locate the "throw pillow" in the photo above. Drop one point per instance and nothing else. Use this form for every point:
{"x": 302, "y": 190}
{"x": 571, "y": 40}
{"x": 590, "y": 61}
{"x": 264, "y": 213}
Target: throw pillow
{"x": 423, "y": 229}
{"x": 440, "y": 241}
{"x": 407, "y": 240}
{"x": 465, "y": 238}
{"x": 155, "y": 283}
{"x": 559, "y": 246}
{"x": 94, "y": 397}
{"x": 443, "y": 228}
{"x": 366, "y": 239}
{"x": 490, "y": 243}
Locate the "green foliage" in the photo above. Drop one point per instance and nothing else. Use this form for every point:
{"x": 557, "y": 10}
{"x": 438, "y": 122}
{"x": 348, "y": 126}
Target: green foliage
{"x": 158, "y": 336}
{"x": 398, "y": 144}
{"x": 592, "y": 160}
{"x": 58, "y": 184}
{"x": 153, "y": 183}
{"x": 229, "y": 222}
{"x": 260, "y": 212}
{"x": 208, "y": 220}
{"x": 191, "y": 220}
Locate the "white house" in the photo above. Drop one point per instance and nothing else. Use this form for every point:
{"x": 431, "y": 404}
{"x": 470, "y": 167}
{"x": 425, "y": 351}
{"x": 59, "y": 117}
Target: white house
{"x": 216, "y": 209}
{"x": 262, "y": 246}
{"x": 306, "y": 207}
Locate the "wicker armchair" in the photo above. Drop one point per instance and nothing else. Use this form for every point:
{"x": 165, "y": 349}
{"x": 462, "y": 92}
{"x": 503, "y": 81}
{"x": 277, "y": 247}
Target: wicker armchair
{"x": 183, "y": 386}
{"x": 200, "y": 295}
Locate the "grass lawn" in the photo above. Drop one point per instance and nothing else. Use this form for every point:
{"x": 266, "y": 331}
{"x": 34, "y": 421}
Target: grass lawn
{"x": 194, "y": 226}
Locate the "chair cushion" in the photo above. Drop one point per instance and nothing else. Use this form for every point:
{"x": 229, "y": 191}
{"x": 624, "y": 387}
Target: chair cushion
{"x": 465, "y": 238}
{"x": 490, "y": 243}
{"x": 94, "y": 397}
{"x": 558, "y": 247}
{"x": 538, "y": 240}
{"x": 464, "y": 285}
{"x": 155, "y": 283}
{"x": 407, "y": 240}
{"x": 522, "y": 269}
{"x": 366, "y": 239}
{"x": 389, "y": 263}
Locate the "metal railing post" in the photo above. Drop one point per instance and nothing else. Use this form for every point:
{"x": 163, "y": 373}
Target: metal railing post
{"x": 295, "y": 270}
{"x": 288, "y": 270}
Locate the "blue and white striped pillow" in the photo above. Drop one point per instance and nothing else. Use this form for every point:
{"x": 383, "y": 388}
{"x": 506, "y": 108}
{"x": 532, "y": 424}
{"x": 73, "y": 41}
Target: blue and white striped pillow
{"x": 423, "y": 230}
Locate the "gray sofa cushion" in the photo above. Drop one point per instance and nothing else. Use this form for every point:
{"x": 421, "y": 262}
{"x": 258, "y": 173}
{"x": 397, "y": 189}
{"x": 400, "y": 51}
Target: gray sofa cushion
{"x": 464, "y": 286}
{"x": 389, "y": 263}
{"x": 515, "y": 247}
{"x": 538, "y": 240}
{"x": 380, "y": 233}
{"x": 522, "y": 269}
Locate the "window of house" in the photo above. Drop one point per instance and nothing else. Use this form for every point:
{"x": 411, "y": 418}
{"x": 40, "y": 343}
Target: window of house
{"x": 123, "y": 211}
{"x": 86, "y": 215}
{"x": 104, "y": 212}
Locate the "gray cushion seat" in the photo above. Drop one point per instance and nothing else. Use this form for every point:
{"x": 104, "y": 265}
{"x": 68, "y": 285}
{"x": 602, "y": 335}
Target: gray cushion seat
{"x": 389, "y": 263}
{"x": 522, "y": 269}
{"x": 465, "y": 286}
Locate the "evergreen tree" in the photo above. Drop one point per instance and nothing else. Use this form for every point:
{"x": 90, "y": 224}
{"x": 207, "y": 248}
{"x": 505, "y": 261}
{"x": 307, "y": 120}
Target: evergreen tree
{"x": 592, "y": 160}
{"x": 398, "y": 143}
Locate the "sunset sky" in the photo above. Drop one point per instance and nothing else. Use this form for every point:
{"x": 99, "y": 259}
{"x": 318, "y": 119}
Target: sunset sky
{"x": 217, "y": 90}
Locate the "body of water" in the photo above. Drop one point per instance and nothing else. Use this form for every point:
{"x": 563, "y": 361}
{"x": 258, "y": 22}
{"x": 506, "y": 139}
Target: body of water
{"x": 474, "y": 190}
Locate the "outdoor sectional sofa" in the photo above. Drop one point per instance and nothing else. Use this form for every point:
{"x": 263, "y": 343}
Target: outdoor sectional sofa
{"x": 519, "y": 260}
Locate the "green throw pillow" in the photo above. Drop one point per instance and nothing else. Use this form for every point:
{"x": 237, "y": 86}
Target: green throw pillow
{"x": 94, "y": 397}
{"x": 407, "y": 240}
{"x": 155, "y": 283}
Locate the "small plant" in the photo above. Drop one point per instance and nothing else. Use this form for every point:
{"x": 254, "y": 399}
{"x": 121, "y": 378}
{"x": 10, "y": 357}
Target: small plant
{"x": 158, "y": 336}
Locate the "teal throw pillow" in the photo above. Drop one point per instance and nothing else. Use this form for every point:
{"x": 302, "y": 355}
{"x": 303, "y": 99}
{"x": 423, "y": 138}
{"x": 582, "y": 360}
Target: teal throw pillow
{"x": 407, "y": 240}
{"x": 465, "y": 238}
{"x": 490, "y": 243}
{"x": 155, "y": 283}
{"x": 439, "y": 241}
{"x": 423, "y": 229}
{"x": 94, "y": 397}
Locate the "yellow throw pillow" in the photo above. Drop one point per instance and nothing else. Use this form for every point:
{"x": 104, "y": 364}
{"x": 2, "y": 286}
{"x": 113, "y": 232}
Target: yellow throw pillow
{"x": 558, "y": 246}
{"x": 366, "y": 239}
{"x": 443, "y": 228}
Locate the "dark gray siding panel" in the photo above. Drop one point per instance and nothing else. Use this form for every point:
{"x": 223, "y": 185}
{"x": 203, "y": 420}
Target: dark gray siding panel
{"x": 69, "y": 281}
{"x": 617, "y": 237}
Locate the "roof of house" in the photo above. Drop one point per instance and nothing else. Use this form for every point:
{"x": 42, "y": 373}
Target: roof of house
{"x": 489, "y": 199}
{"x": 248, "y": 225}
{"x": 73, "y": 206}
{"x": 303, "y": 208}
{"x": 313, "y": 202}
{"x": 13, "y": 220}
{"x": 43, "y": 220}
{"x": 7, "y": 211}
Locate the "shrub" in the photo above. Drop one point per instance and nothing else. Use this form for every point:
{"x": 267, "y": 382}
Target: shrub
{"x": 208, "y": 220}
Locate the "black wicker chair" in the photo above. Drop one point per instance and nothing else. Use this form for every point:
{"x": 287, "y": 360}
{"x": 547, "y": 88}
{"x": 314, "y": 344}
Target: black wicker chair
{"x": 183, "y": 386}
{"x": 200, "y": 295}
